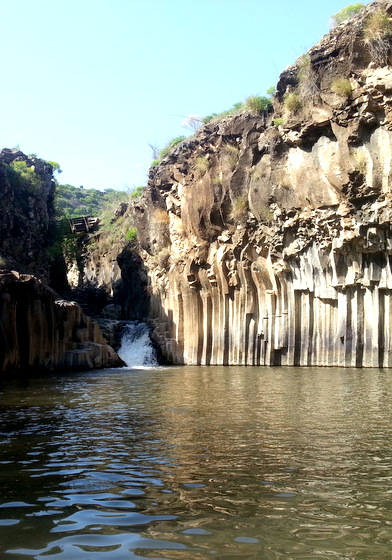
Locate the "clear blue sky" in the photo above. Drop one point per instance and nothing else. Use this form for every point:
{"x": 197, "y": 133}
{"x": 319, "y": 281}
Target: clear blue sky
{"x": 90, "y": 83}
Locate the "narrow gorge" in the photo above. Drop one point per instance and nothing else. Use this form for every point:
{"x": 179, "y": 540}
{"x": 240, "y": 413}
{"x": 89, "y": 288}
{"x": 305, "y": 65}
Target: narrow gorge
{"x": 263, "y": 239}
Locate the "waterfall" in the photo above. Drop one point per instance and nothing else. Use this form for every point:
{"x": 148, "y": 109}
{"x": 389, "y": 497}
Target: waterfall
{"x": 136, "y": 348}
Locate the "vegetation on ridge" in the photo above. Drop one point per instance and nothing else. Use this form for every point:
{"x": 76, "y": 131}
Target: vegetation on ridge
{"x": 346, "y": 14}
{"x": 167, "y": 149}
{"x": 25, "y": 175}
{"x": 255, "y": 104}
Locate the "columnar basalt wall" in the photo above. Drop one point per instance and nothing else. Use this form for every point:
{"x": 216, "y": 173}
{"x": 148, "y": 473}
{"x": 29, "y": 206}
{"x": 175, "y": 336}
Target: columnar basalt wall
{"x": 268, "y": 242}
{"x": 323, "y": 309}
{"x": 38, "y": 332}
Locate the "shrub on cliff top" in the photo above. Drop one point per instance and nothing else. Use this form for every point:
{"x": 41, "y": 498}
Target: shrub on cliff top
{"x": 167, "y": 149}
{"x": 377, "y": 37}
{"x": 256, "y": 104}
{"x": 346, "y": 14}
{"x": 137, "y": 192}
{"x": 170, "y": 145}
{"x": 28, "y": 175}
{"x": 235, "y": 110}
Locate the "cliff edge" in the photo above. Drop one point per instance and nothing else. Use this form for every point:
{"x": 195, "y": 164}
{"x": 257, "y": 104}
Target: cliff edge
{"x": 267, "y": 238}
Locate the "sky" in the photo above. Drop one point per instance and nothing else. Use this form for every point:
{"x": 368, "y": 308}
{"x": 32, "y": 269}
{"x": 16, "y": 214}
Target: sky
{"x": 91, "y": 83}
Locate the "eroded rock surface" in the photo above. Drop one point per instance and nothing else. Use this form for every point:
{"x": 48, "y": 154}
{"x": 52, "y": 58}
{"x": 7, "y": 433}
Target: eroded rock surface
{"x": 269, "y": 242}
{"x": 38, "y": 332}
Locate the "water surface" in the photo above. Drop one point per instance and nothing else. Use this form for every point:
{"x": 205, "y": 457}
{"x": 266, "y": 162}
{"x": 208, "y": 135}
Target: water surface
{"x": 198, "y": 462}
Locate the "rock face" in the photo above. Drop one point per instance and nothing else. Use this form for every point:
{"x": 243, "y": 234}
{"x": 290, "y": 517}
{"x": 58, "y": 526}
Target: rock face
{"x": 115, "y": 275}
{"x": 268, "y": 238}
{"x": 39, "y": 333}
{"x": 26, "y": 209}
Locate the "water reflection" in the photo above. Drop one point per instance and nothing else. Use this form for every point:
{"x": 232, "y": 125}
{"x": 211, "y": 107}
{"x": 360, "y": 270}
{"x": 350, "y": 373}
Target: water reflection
{"x": 186, "y": 463}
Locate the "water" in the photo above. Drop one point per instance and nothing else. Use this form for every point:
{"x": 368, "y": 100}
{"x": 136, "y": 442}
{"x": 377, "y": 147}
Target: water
{"x": 136, "y": 348}
{"x": 198, "y": 462}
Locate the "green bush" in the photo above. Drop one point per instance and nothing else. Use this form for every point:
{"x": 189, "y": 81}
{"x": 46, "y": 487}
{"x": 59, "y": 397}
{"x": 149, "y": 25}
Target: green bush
{"x": 56, "y": 166}
{"x": 131, "y": 235}
{"x": 172, "y": 144}
{"x": 32, "y": 181}
{"x": 257, "y": 104}
{"x": 347, "y": 13}
{"x": 235, "y": 110}
{"x": 271, "y": 91}
{"x": 137, "y": 192}
{"x": 277, "y": 122}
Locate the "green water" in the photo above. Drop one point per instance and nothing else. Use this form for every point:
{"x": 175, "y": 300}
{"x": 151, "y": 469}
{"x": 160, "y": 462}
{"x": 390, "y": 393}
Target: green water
{"x": 196, "y": 463}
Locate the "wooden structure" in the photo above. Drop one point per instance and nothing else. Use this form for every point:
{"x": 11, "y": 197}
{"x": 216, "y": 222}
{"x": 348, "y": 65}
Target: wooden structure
{"x": 83, "y": 224}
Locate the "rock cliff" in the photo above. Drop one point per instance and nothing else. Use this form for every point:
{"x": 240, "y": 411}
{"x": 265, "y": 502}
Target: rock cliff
{"x": 267, "y": 238}
{"x": 26, "y": 211}
{"x": 39, "y": 332}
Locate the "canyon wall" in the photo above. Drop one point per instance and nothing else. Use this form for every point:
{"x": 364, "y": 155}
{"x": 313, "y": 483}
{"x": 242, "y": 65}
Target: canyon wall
{"x": 39, "y": 332}
{"x": 26, "y": 212}
{"x": 267, "y": 238}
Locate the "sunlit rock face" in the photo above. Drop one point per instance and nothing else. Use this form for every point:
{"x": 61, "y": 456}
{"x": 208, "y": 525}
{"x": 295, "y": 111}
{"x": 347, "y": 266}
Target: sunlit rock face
{"x": 269, "y": 242}
{"x": 38, "y": 332}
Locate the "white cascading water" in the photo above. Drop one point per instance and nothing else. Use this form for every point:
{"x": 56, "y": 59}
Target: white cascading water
{"x": 136, "y": 348}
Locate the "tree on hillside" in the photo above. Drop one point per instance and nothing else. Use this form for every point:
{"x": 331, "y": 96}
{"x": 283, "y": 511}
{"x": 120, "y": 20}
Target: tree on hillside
{"x": 155, "y": 150}
{"x": 347, "y": 13}
{"x": 193, "y": 122}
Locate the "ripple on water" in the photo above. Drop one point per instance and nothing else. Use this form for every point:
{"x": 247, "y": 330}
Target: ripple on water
{"x": 80, "y": 547}
{"x": 241, "y": 463}
{"x": 105, "y": 500}
{"x": 87, "y": 517}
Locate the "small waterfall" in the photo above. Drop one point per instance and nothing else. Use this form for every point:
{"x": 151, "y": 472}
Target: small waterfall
{"x": 136, "y": 348}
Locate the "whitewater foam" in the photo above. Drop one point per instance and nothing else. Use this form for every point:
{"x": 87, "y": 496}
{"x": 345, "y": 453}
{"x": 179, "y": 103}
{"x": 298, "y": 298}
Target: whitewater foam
{"x": 136, "y": 349}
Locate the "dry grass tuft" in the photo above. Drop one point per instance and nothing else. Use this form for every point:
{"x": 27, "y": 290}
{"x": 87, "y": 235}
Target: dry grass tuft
{"x": 201, "y": 165}
{"x": 341, "y": 86}
{"x": 360, "y": 161}
{"x": 160, "y": 216}
{"x": 292, "y": 102}
{"x": 377, "y": 37}
{"x": 239, "y": 209}
{"x": 232, "y": 154}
